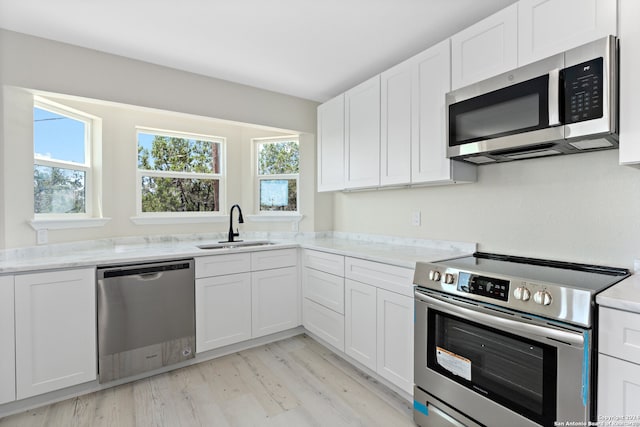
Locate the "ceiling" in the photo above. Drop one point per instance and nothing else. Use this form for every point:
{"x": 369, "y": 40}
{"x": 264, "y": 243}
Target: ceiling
{"x": 312, "y": 49}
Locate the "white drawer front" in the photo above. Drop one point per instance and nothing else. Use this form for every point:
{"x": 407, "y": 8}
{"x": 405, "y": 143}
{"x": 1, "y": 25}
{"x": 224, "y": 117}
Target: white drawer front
{"x": 324, "y": 288}
{"x": 385, "y": 276}
{"x": 266, "y": 260}
{"x": 619, "y": 334}
{"x": 220, "y": 265}
{"x": 326, "y": 324}
{"x": 329, "y": 263}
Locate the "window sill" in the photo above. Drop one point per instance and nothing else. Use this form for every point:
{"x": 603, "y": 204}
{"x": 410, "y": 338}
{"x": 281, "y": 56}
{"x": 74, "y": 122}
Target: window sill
{"x": 274, "y": 218}
{"x": 63, "y": 224}
{"x": 160, "y": 220}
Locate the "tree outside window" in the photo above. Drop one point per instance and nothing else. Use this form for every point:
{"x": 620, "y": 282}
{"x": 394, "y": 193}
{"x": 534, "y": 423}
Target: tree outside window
{"x": 278, "y": 162}
{"x": 179, "y": 172}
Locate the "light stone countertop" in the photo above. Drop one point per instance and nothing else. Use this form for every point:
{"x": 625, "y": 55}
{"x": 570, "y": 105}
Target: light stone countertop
{"x": 624, "y": 295}
{"x": 390, "y": 250}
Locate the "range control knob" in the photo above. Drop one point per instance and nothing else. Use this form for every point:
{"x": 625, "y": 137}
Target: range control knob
{"x": 522, "y": 293}
{"x": 434, "y": 275}
{"x": 449, "y": 278}
{"x": 542, "y": 298}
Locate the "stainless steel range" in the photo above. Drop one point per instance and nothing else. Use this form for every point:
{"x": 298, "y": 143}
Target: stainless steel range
{"x": 506, "y": 341}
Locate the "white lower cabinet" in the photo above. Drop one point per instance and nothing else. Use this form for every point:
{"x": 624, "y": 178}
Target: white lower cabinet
{"x": 360, "y": 323}
{"x": 274, "y": 301}
{"x": 245, "y": 295}
{"x": 618, "y": 388}
{"x": 223, "y": 310}
{"x": 7, "y": 342}
{"x": 618, "y": 364}
{"x": 395, "y": 339}
{"x": 55, "y": 327}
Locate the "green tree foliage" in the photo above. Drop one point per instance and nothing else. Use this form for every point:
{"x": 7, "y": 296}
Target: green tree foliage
{"x": 278, "y": 158}
{"x": 58, "y": 190}
{"x": 179, "y": 194}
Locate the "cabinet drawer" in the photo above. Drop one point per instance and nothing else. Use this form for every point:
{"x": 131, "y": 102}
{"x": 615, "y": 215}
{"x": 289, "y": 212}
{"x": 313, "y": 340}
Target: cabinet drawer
{"x": 324, "y": 288}
{"x": 220, "y": 265}
{"x": 385, "y": 276}
{"x": 266, "y": 260}
{"x": 619, "y": 334}
{"x": 326, "y": 324}
{"x": 329, "y": 263}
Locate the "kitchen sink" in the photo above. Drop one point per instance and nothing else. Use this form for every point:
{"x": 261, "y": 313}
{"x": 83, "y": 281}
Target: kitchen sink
{"x": 238, "y": 244}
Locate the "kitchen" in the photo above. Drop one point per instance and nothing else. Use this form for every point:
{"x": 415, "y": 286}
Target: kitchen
{"x": 573, "y": 208}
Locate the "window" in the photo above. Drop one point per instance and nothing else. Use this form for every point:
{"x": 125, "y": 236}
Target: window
{"x": 278, "y": 162}
{"x": 62, "y": 161}
{"x": 179, "y": 172}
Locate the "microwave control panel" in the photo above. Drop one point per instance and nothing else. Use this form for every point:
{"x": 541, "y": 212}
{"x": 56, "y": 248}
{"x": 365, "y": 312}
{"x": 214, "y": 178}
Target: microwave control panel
{"x": 490, "y": 287}
{"x": 583, "y": 91}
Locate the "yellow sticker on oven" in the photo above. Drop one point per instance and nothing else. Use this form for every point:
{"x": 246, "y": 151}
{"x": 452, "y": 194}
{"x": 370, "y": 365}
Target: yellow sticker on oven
{"x": 454, "y": 363}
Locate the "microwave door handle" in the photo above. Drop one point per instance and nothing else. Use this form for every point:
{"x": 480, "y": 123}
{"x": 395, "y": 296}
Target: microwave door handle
{"x": 554, "y": 97}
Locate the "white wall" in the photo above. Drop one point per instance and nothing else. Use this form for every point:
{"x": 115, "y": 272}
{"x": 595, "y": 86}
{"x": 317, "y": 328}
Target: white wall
{"x": 43, "y": 65}
{"x": 583, "y": 207}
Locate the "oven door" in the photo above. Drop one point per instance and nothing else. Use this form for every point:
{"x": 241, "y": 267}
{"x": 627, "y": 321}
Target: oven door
{"x": 498, "y": 368}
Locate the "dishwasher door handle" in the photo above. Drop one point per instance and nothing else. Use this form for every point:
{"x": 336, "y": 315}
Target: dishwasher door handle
{"x": 149, "y": 276}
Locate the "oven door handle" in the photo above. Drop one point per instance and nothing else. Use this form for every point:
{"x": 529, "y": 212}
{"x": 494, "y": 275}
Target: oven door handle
{"x": 495, "y": 320}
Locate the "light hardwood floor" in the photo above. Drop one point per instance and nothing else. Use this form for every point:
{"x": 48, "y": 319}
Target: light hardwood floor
{"x": 294, "y": 382}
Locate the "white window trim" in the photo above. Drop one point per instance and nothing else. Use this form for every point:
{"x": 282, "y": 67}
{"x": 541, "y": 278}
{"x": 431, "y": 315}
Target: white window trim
{"x": 157, "y": 218}
{"x": 276, "y": 216}
{"x": 71, "y": 220}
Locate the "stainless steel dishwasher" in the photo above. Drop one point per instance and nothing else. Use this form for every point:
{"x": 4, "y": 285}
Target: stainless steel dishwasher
{"x": 146, "y": 317}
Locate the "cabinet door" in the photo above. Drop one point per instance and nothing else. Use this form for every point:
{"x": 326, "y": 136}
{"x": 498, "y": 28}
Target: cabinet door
{"x": 274, "y": 300}
{"x": 223, "y": 310}
{"x": 629, "y": 11}
{"x": 7, "y": 342}
{"x": 618, "y": 389}
{"x": 395, "y": 124}
{"x": 55, "y": 330}
{"x": 432, "y": 80}
{"x": 395, "y": 339}
{"x": 360, "y": 322}
{"x": 547, "y": 27}
{"x": 485, "y": 49}
{"x": 362, "y": 137}
{"x": 331, "y": 145}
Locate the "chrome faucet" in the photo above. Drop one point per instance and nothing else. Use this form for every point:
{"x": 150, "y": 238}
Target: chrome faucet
{"x": 240, "y": 221}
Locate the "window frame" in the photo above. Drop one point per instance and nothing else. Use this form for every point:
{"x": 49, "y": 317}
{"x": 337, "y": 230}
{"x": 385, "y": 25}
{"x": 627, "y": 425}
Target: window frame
{"x": 258, "y": 177}
{"x": 86, "y": 166}
{"x": 221, "y": 177}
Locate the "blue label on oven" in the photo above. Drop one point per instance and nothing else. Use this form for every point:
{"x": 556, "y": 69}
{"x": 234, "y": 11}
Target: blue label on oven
{"x": 421, "y": 407}
{"x": 585, "y": 368}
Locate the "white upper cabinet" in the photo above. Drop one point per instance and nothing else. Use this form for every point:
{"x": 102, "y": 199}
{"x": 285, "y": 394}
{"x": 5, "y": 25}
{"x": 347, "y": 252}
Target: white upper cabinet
{"x": 486, "y": 48}
{"x": 331, "y": 145}
{"x": 429, "y": 162}
{"x": 396, "y": 89}
{"x": 55, "y": 321}
{"x": 413, "y": 121}
{"x": 547, "y": 27}
{"x": 629, "y": 11}
{"x": 362, "y": 135}
{"x": 7, "y": 342}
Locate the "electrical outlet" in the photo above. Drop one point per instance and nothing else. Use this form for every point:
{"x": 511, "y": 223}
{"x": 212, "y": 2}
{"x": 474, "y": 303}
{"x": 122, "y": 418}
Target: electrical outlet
{"x": 42, "y": 236}
{"x": 636, "y": 266}
{"x": 415, "y": 218}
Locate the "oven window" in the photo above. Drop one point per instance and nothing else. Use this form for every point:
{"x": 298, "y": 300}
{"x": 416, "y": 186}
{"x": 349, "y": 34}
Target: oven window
{"x": 513, "y": 371}
{"x": 515, "y": 109}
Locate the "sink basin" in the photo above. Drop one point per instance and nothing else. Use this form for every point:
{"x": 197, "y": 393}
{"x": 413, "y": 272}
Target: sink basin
{"x": 239, "y": 244}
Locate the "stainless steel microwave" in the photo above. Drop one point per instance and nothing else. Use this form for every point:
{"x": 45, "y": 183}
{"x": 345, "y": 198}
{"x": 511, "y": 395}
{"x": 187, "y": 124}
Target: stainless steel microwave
{"x": 563, "y": 104}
